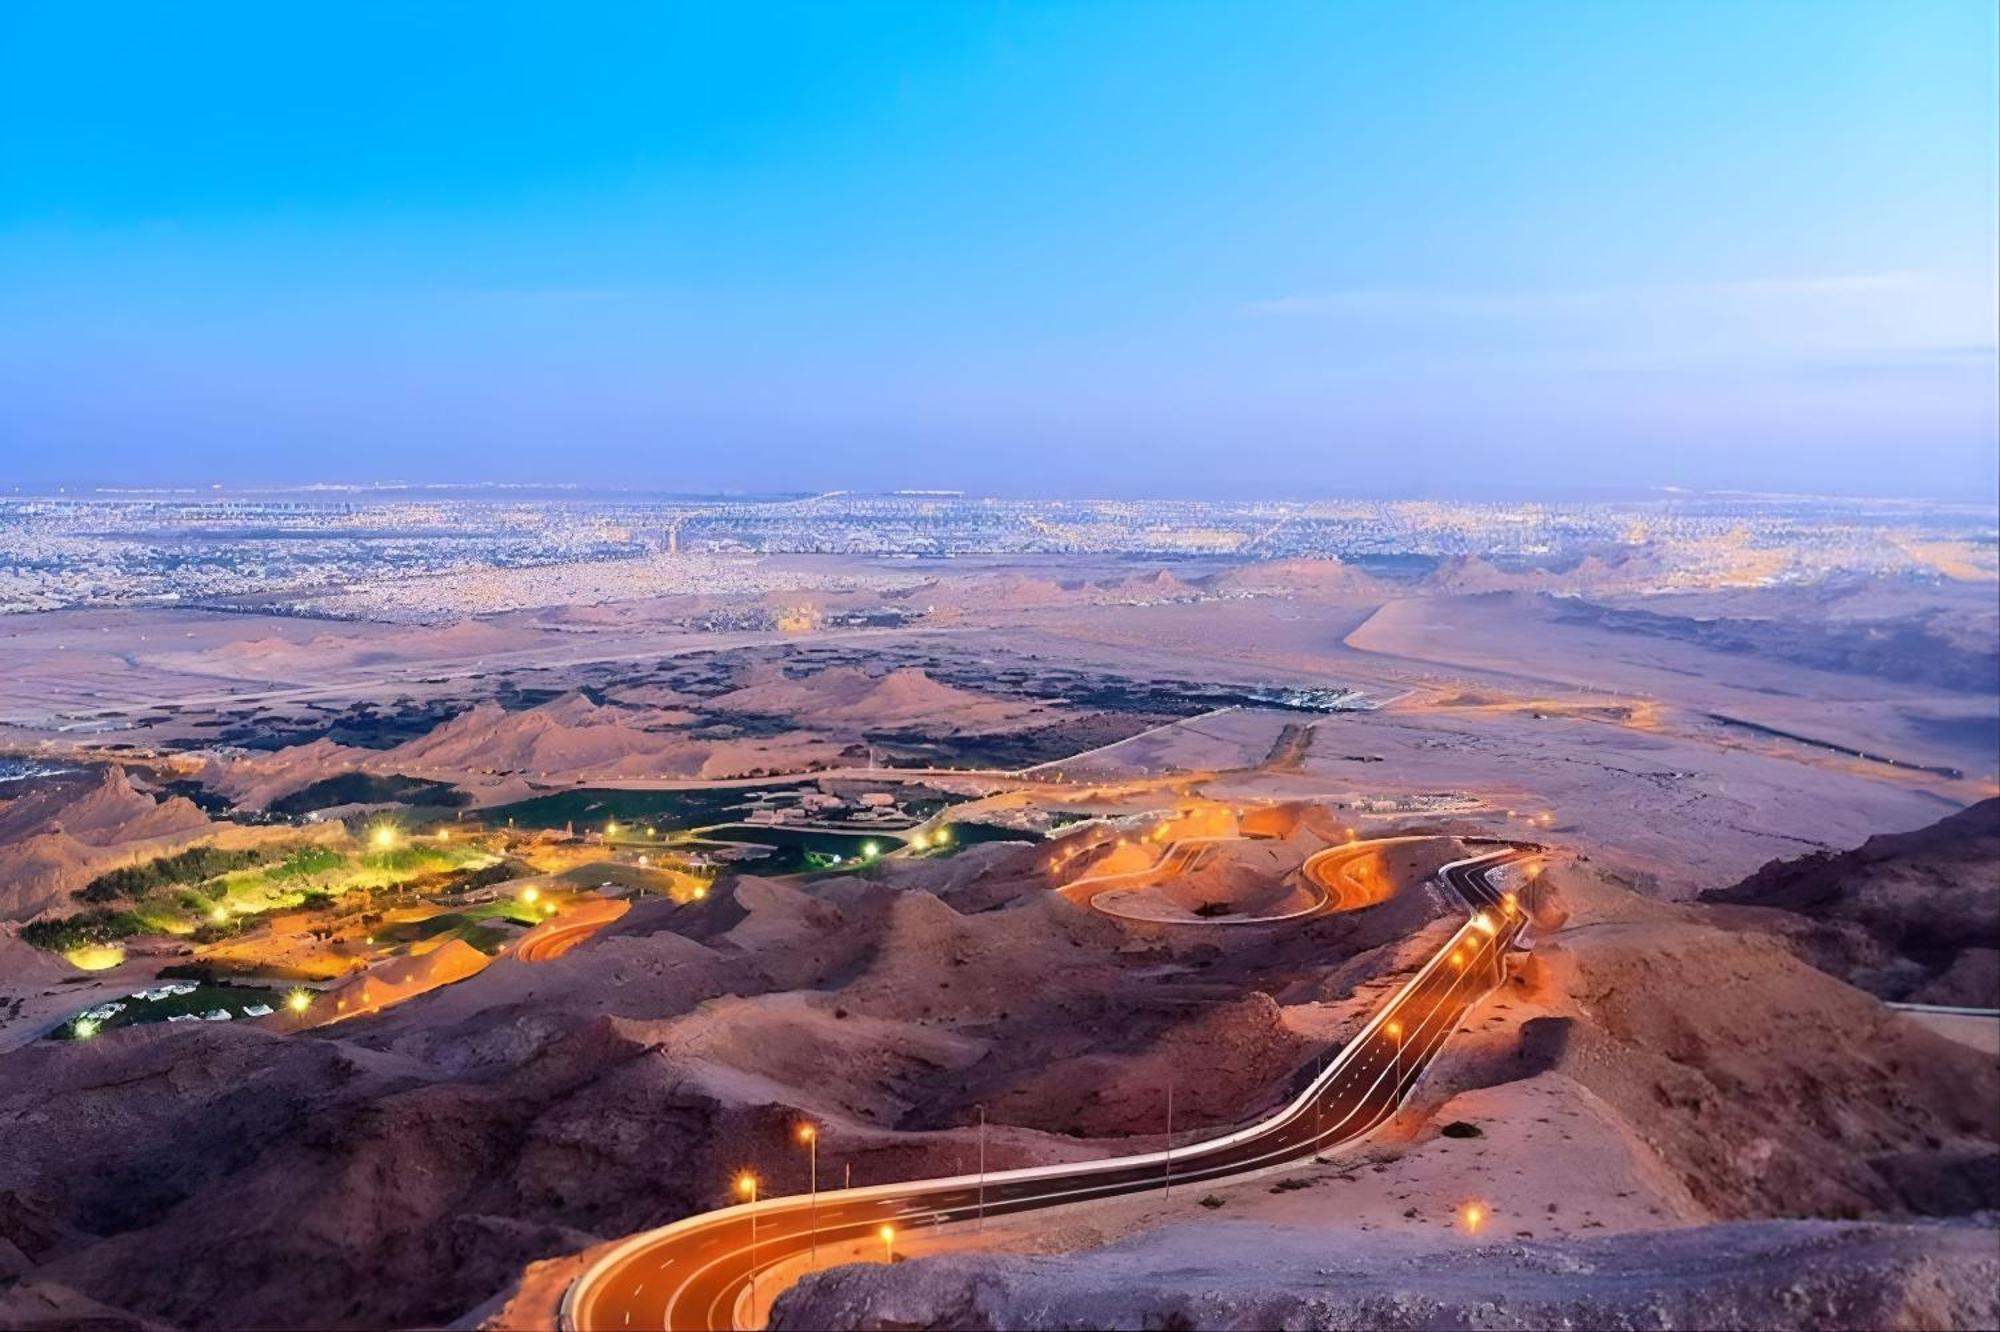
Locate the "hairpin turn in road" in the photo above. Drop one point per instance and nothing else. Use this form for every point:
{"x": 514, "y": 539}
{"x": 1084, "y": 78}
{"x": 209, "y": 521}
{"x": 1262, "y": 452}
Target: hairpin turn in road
{"x": 698, "y": 1273}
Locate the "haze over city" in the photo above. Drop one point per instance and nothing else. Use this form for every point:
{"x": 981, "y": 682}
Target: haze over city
{"x": 999, "y": 667}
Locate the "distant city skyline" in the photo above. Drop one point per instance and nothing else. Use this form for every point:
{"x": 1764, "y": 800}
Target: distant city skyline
{"x": 1504, "y": 495}
{"x": 1081, "y": 252}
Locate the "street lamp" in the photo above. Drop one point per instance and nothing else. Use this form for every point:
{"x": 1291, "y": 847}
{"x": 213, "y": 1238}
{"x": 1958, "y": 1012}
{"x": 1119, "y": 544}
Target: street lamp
{"x": 1395, "y": 1030}
{"x": 888, "y": 1234}
{"x": 746, "y": 1185}
{"x": 810, "y": 1137}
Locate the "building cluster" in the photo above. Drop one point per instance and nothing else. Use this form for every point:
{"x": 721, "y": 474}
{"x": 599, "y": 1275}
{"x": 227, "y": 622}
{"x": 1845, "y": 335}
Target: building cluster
{"x": 866, "y": 809}
{"x": 408, "y": 553}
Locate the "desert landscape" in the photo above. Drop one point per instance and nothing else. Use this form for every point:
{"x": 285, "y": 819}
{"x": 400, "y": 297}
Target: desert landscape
{"x": 505, "y": 939}
{"x": 1193, "y": 667}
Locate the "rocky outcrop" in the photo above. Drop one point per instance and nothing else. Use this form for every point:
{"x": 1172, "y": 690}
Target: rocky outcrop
{"x": 1769, "y": 1087}
{"x": 1909, "y": 916}
{"x": 849, "y": 696}
{"x": 1804, "y": 1275}
{"x": 66, "y": 830}
{"x": 1306, "y": 579}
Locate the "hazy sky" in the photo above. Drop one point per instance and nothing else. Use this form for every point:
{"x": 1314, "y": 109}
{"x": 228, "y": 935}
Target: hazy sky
{"x": 1242, "y": 248}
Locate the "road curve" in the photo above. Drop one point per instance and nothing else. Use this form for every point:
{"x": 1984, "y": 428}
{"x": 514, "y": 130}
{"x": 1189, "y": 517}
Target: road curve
{"x": 557, "y": 935}
{"x": 1324, "y": 873}
{"x": 693, "y": 1273}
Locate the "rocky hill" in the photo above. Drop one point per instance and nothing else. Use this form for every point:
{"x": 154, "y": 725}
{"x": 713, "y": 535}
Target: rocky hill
{"x": 1309, "y": 579}
{"x": 850, "y": 696}
{"x": 62, "y": 832}
{"x": 1909, "y": 916}
{"x": 1775, "y": 1275}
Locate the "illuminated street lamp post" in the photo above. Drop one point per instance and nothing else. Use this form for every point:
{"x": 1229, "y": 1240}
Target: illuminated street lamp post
{"x": 1395, "y": 1030}
{"x": 746, "y": 1184}
{"x": 810, "y": 1137}
{"x": 888, "y": 1234}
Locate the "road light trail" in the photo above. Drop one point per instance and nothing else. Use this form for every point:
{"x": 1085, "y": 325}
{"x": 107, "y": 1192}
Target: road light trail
{"x": 716, "y": 1255}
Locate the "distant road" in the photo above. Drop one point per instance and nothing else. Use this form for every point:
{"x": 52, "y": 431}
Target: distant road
{"x": 697, "y": 1273}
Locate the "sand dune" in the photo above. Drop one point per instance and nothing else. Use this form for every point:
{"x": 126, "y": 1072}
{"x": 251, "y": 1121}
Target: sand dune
{"x": 402, "y": 978}
{"x": 309, "y": 660}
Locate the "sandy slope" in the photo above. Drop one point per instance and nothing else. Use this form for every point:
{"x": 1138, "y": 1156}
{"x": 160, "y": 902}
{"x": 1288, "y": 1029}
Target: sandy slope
{"x": 849, "y": 696}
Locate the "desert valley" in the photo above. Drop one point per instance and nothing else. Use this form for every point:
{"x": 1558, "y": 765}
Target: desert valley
{"x": 363, "y": 973}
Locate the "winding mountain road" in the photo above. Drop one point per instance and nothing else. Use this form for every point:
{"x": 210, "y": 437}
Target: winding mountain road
{"x": 697, "y": 1273}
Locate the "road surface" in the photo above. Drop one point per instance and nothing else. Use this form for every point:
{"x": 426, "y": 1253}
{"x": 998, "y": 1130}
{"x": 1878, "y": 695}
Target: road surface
{"x": 697, "y": 1273}
{"x": 552, "y": 938}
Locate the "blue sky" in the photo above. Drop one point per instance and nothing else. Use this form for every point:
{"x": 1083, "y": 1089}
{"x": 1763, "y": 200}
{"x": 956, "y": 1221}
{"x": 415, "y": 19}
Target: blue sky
{"x": 1149, "y": 249}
